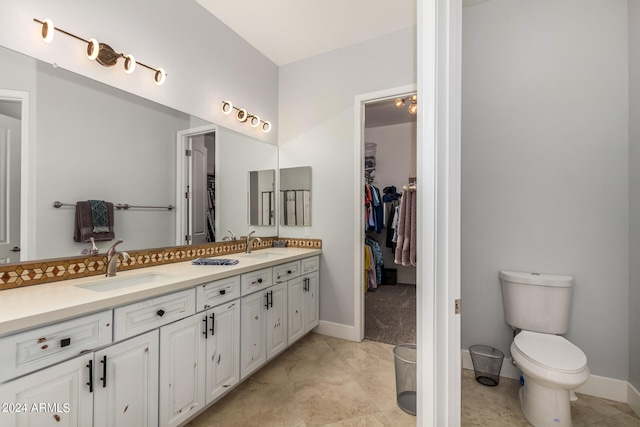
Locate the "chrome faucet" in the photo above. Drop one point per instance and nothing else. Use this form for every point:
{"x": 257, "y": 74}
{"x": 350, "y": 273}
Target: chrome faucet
{"x": 92, "y": 251}
{"x": 233, "y": 236}
{"x": 112, "y": 259}
{"x": 250, "y": 240}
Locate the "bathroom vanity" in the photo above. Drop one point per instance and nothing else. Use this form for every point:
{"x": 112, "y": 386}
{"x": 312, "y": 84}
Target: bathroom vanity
{"x": 152, "y": 346}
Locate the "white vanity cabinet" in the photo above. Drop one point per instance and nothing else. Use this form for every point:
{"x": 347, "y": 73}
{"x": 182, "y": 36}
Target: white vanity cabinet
{"x": 304, "y": 302}
{"x": 199, "y": 361}
{"x": 125, "y": 383}
{"x": 263, "y": 327}
{"x": 56, "y": 396}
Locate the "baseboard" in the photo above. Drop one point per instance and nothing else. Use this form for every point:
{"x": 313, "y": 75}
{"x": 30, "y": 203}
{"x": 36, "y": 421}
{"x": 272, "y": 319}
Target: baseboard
{"x": 633, "y": 399}
{"x": 337, "y": 330}
{"x": 606, "y": 388}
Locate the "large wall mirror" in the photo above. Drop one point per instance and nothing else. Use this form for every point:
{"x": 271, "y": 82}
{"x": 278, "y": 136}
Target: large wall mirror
{"x": 87, "y": 140}
{"x": 295, "y": 196}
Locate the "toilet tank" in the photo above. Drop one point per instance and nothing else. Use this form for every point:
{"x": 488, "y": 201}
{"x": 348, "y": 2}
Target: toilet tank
{"x": 537, "y": 302}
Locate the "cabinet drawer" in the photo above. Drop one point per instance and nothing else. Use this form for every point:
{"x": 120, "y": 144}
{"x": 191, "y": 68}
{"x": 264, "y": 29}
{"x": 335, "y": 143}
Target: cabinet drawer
{"x": 256, "y": 280}
{"x": 38, "y": 348}
{"x": 218, "y": 292}
{"x": 311, "y": 264}
{"x": 284, "y": 272}
{"x": 150, "y": 314}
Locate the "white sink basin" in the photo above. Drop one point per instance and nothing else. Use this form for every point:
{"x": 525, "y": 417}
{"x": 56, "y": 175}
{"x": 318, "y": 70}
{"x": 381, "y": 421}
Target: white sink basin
{"x": 112, "y": 283}
{"x": 262, "y": 255}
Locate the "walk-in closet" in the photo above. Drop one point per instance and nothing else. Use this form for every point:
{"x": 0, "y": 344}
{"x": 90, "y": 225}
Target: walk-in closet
{"x": 389, "y": 220}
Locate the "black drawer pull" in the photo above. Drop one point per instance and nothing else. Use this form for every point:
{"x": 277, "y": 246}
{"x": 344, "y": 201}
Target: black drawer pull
{"x": 160, "y": 312}
{"x": 65, "y": 342}
{"x": 213, "y": 323}
{"x": 90, "y": 383}
{"x": 260, "y": 280}
{"x": 206, "y": 326}
{"x": 223, "y": 291}
{"x": 104, "y": 371}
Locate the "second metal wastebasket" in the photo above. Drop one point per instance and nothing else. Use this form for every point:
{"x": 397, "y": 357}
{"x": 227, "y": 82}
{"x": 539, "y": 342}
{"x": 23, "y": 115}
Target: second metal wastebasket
{"x": 405, "y": 356}
{"x": 487, "y": 362}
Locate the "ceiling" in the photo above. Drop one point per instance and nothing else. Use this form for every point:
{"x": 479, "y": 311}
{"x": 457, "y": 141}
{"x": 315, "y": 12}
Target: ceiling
{"x": 286, "y": 31}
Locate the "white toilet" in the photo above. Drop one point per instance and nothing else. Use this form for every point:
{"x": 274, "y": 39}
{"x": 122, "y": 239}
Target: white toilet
{"x": 538, "y": 305}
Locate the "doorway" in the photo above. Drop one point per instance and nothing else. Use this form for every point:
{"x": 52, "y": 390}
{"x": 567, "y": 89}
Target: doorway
{"x": 390, "y": 173}
{"x": 196, "y": 215}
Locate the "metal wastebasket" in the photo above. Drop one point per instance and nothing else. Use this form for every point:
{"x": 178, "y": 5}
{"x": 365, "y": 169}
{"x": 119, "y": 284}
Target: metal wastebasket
{"x": 487, "y": 362}
{"x": 405, "y": 356}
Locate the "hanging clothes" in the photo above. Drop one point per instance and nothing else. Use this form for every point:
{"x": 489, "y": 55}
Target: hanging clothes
{"x": 405, "y": 252}
{"x": 378, "y": 261}
{"x": 374, "y": 216}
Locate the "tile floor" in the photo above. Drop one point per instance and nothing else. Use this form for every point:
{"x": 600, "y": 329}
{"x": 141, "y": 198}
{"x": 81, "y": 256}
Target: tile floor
{"x": 325, "y": 381}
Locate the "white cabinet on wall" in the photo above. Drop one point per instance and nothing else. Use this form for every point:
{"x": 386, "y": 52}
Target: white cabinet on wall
{"x": 126, "y": 383}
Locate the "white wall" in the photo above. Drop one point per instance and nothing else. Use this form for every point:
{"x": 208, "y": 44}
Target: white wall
{"x": 317, "y": 97}
{"x": 634, "y": 193}
{"x": 395, "y": 163}
{"x": 544, "y": 166}
{"x": 206, "y": 62}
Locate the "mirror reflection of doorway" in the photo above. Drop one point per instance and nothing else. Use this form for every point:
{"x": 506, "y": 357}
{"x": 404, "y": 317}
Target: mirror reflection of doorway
{"x": 10, "y": 170}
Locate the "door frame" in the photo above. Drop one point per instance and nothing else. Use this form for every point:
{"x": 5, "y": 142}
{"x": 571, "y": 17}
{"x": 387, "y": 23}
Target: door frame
{"x": 27, "y": 174}
{"x": 182, "y": 170}
{"x": 361, "y": 102}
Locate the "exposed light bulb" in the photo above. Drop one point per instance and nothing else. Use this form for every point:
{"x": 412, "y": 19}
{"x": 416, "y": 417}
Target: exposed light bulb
{"x": 48, "y": 30}
{"x": 413, "y": 108}
{"x": 159, "y": 76}
{"x": 227, "y": 107}
{"x": 414, "y": 98}
{"x": 399, "y": 102}
{"x": 129, "y": 64}
{"x": 266, "y": 126}
{"x": 254, "y": 121}
{"x": 93, "y": 48}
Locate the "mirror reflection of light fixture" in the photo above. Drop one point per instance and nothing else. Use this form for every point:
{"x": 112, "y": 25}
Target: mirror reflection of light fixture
{"x": 413, "y": 103}
{"x": 101, "y": 52}
{"x": 244, "y": 117}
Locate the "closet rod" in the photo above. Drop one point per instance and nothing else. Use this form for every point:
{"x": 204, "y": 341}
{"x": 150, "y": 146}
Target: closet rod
{"x": 409, "y": 187}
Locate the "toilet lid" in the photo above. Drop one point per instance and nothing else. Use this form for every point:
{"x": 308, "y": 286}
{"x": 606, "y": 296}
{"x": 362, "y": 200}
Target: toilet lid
{"x": 550, "y": 351}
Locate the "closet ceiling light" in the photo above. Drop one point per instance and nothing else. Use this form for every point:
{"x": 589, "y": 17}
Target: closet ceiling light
{"x": 101, "y": 52}
{"x": 244, "y": 117}
{"x": 413, "y": 103}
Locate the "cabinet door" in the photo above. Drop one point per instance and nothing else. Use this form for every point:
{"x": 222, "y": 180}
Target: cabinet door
{"x": 277, "y": 338}
{"x": 56, "y": 396}
{"x": 253, "y": 333}
{"x": 295, "y": 309}
{"x": 182, "y": 364}
{"x": 126, "y": 383}
{"x": 311, "y": 301}
{"x": 223, "y": 349}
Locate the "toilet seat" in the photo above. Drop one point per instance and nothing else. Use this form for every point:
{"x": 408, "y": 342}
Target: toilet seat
{"x": 551, "y": 352}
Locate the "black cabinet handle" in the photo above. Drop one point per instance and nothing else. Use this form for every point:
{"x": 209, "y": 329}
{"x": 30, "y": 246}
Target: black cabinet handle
{"x": 271, "y": 295}
{"x": 288, "y": 271}
{"x": 160, "y": 312}
{"x": 267, "y": 303}
{"x": 104, "y": 371}
{"x": 205, "y": 327}
{"x": 213, "y": 324}
{"x": 65, "y": 342}
{"x": 260, "y": 280}
{"x": 90, "y": 383}
{"x": 223, "y": 291}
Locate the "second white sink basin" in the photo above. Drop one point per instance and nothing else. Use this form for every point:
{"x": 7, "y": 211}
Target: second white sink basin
{"x": 112, "y": 283}
{"x": 262, "y": 255}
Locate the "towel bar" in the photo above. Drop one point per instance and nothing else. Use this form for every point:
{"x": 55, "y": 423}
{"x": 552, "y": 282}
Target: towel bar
{"x": 119, "y": 206}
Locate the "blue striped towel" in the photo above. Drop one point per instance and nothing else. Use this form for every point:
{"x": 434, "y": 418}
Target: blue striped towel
{"x": 210, "y": 261}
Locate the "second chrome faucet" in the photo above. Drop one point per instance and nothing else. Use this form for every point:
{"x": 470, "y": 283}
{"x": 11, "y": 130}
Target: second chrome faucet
{"x": 112, "y": 259}
{"x": 250, "y": 240}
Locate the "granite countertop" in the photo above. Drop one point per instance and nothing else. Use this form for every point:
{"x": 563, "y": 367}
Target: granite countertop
{"x": 33, "y": 306}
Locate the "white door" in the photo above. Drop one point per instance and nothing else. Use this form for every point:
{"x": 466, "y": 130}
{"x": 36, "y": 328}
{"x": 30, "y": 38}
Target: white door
{"x": 295, "y": 308}
{"x": 126, "y": 388}
{"x": 253, "y": 353}
{"x": 10, "y": 137}
{"x": 223, "y": 349}
{"x": 277, "y": 338}
{"x": 182, "y": 364}
{"x": 311, "y": 301}
{"x": 199, "y": 196}
{"x": 63, "y": 389}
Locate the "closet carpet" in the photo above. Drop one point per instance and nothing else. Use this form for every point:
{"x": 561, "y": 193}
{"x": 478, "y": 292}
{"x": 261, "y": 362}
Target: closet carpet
{"x": 390, "y": 314}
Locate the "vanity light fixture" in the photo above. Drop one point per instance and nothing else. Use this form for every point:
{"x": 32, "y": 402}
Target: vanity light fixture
{"x": 243, "y": 116}
{"x": 413, "y": 103}
{"x": 102, "y": 52}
